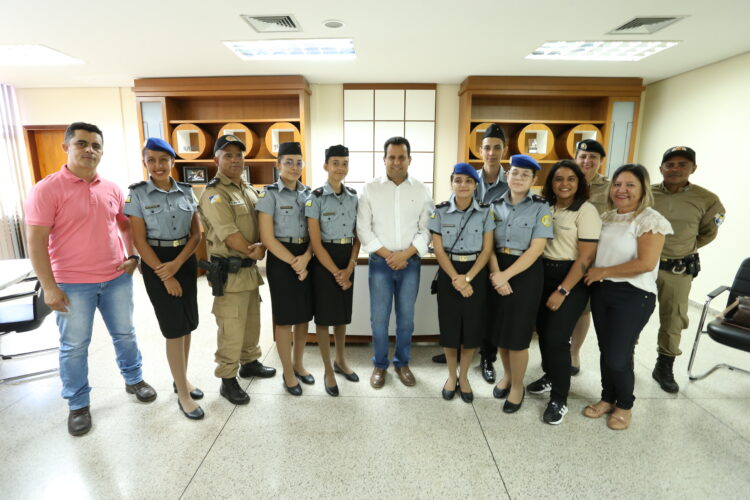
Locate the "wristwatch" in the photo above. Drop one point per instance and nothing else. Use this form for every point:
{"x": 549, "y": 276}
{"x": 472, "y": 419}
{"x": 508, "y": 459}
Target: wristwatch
{"x": 468, "y": 278}
{"x": 136, "y": 258}
{"x": 563, "y": 291}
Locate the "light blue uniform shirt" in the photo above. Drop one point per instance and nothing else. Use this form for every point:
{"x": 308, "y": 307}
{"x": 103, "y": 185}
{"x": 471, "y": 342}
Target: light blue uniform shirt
{"x": 337, "y": 213}
{"x": 517, "y": 225}
{"x": 287, "y": 207}
{"x": 447, "y": 220}
{"x": 167, "y": 214}
{"x": 487, "y": 193}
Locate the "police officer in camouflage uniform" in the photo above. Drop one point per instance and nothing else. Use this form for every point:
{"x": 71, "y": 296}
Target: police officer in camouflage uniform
{"x": 227, "y": 210}
{"x": 695, "y": 214}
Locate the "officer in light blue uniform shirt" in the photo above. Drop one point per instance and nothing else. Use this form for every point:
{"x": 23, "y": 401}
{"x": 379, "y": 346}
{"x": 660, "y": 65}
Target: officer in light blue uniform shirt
{"x": 337, "y": 213}
{"x": 447, "y": 221}
{"x": 287, "y": 207}
{"x": 493, "y": 147}
{"x": 516, "y": 225}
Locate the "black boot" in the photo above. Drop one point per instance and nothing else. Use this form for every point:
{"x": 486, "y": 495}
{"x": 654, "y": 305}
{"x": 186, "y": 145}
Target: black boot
{"x": 232, "y": 391}
{"x": 663, "y": 374}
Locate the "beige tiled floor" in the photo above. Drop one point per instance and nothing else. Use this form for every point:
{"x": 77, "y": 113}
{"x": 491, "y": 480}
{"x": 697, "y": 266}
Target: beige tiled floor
{"x": 397, "y": 442}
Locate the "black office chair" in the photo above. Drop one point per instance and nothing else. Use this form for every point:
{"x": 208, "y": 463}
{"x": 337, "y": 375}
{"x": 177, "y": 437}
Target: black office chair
{"x": 721, "y": 331}
{"x": 23, "y": 312}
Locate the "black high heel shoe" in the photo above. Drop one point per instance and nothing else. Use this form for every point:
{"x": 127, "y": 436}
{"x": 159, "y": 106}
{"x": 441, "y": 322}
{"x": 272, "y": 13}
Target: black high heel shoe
{"x": 467, "y": 397}
{"x": 195, "y": 394}
{"x": 295, "y": 390}
{"x": 499, "y": 393}
{"x": 305, "y": 379}
{"x": 509, "y": 407}
{"x": 448, "y": 395}
{"x": 351, "y": 377}
{"x": 196, "y": 414}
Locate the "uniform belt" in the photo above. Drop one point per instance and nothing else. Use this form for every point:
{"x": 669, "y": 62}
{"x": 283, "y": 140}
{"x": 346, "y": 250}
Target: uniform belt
{"x": 463, "y": 257}
{"x": 340, "y": 241}
{"x": 509, "y": 251}
{"x": 679, "y": 266}
{"x": 293, "y": 240}
{"x": 167, "y": 243}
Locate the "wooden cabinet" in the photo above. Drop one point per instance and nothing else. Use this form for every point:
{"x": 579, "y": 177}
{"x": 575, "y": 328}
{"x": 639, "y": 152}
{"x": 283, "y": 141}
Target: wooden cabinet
{"x": 542, "y": 116}
{"x": 271, "y": 108}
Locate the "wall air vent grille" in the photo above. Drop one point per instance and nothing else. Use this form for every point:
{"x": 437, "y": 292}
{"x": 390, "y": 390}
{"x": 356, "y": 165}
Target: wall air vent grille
{"x": 272, "y": 24}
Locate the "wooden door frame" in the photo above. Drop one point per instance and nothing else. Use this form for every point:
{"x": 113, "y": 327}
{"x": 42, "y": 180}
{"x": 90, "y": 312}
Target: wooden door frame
{"x": 33, "y": 154}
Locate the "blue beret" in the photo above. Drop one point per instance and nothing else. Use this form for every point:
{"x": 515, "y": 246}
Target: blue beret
{"x": 524, "y": 161}
{"x": 466, "y": 169}
{"x": 156, "y": 144}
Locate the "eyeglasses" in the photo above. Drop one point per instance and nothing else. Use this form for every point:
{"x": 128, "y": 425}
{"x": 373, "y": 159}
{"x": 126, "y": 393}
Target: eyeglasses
{"x": 84, "y": 145}
{"x": 293, "y": 164}
{"x": 521, "y": 175}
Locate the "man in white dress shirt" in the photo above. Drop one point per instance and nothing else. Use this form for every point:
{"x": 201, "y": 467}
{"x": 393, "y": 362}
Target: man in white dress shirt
{"x": 392, "y": 226}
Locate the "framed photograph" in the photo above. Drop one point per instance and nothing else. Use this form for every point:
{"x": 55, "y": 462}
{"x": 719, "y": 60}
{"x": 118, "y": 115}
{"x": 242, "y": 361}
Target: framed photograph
{"x": 246, "y": 174}
{"x": 195, "y": 175}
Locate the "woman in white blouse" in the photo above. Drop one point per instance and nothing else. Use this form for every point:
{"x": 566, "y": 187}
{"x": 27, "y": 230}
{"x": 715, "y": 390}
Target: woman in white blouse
{"x": 623, "y": 287}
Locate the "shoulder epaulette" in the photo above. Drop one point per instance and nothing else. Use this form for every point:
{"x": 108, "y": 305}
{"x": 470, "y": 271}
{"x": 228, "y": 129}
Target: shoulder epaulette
{"x": 318, "y": 192}
{"x": 496, "y": 200}
{"x": 538, "y": 199}
{"x": 271, "y": 186}
{"x": 443, "y": 204}
{"x": 186, "y": 184}
{"x": 351, "y": 190}
{"x": 136, "y": 184}
{"x": 483, "y": 204}
{"x": 213, "y": 182}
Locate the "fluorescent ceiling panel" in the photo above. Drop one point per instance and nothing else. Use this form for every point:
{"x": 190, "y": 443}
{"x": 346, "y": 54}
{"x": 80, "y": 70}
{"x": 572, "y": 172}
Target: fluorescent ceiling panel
{"x": 285, "y": 50}
{"x": 600, "y": 50}
{"x": 33, "y": 55}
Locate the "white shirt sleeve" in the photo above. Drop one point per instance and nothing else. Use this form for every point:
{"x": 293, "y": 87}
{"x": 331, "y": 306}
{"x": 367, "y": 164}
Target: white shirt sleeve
{"x": 365, "y": 233}
{"x": 421, "y": 240}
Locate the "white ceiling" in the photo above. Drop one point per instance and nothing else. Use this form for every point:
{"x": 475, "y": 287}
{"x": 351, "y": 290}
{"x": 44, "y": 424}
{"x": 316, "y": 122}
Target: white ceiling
{"x": 435, "y": 41}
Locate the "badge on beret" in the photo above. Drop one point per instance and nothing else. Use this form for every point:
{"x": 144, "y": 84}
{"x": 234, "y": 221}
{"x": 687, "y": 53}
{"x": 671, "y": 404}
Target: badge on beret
{"x": 214, "y": 198}
{"x": 127, "y": 200}
{"x": 546, "y": 220}
{"x": 308, "y": 203}
{"x": 718, "y": 219}
{"x": 583, "y": 146}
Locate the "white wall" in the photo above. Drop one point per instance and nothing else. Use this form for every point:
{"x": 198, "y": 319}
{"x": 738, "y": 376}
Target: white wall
{"x": 112, "y": 109}
{"x": 707, "y": 109}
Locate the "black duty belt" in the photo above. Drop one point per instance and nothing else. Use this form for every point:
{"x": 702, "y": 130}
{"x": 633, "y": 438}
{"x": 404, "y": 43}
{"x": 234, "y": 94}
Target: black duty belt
{"x": 690, "y": 264}
{"x": 167, "y": 243}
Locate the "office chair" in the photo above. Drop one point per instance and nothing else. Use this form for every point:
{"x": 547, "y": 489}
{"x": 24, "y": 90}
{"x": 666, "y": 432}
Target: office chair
{"x": 720, "y": 330}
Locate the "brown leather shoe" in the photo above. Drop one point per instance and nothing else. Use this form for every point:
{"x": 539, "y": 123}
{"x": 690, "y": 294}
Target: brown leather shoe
{"x": 144, "y": 392}
{"x": 79, "y": 421}
{"x": 377, "y": 379}
{"x": 406, "y": 376}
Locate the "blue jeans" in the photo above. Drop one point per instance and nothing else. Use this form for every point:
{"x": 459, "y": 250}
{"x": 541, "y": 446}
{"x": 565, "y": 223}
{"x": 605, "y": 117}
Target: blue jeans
{"x": 114, "y": 299}
{"x": 385, "y": 284}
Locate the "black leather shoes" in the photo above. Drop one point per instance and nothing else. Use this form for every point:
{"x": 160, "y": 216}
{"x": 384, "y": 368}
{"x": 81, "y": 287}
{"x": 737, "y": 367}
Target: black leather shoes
{"x": 256, "y": 369}
{"x": 488, "y": 371}
{"x": 439, "y": 358}
{"x": 305, "y": 379}
{"x": 332, "y": 391}
{"x": 196, "y": 414}
{"x": 509, "y": 407}
{"x": 295, "y": 390}
{"x": 351, "y": 377}
{"x": 144, "y": 392}
{"x": 79, "y": 421}
{"x": 467, "y": 397}
{"x": 499, "y": 393}
{"x": 448, "y": 395}
{"x": 574, "y": 370}
{"x": 232, "y": 391}
{"x": 195, "y": 394}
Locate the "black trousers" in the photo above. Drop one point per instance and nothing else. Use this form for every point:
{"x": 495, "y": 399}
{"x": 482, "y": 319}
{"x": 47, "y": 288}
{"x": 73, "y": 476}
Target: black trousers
{"x": 556, "y": 327}
{"x": 620, "y": 311}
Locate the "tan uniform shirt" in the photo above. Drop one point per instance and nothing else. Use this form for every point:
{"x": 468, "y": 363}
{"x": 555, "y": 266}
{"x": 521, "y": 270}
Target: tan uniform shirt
{"x": 578, "y": 222}
{"x": 599, "y": 192}
{"x": 226, "y": 208}
{"x": 695, "y": 214}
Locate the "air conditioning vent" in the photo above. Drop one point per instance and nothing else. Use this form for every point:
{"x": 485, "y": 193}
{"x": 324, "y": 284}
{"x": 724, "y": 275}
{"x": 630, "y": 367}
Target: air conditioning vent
{"x": 644, "y": 25}
{"x": 272, "y": 24}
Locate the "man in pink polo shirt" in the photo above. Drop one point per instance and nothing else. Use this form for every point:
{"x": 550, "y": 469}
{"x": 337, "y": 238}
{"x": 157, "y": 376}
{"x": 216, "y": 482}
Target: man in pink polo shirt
{"x": 74, "y": 221}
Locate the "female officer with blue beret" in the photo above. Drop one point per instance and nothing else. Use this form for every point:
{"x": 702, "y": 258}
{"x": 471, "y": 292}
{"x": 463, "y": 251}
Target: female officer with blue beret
{"x": 462, "y": 238}
{"x": 166, "y": 231}
{"x": 283, "y": 230}
{"x": 523, "y": 225}
{"x": 331, "y": 213}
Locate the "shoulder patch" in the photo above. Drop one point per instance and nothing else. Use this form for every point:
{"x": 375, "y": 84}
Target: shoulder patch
{"x": 215, "y": 198}
{"x": 538, "y": 199}
{"x": 308, "y": 203}
{"x": 262, "y": 194}
{"x": 271, "y": 186}
{"x": 351, "y": 190}
{"x": 546, "y": 220}
{"x": 718, "y": 219}
{"x": 483, "y": 204}
{"x": 318, "y": 192}
{"x": 213, "y": 182}
{"x": 136, "y": 184}
{"x": 443, "y": 204}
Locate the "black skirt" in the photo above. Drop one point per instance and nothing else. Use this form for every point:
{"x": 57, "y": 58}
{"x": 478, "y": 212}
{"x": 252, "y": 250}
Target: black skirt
{"x": 177, "y": 316}
{"x": 462, "y": 320}
{"x": 291, "y": 299}
{"x": 515, "y": 314}
{"x": 332, "y": 305}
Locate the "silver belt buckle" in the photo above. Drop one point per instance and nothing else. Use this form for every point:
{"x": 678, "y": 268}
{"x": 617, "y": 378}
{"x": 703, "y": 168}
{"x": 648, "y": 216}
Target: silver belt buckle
{"x": 175, "y": 243}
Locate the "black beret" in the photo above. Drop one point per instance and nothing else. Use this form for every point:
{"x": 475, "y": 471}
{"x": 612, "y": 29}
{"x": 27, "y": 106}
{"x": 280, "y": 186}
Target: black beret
{"x": 337, "y": 150}
{"x": 494, "y": 130}
{"x": 591, "y": 146}
{"x": 289, "y": 148}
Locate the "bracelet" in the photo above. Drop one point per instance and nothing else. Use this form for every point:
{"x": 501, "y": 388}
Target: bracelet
{"x": 136, "y": 258}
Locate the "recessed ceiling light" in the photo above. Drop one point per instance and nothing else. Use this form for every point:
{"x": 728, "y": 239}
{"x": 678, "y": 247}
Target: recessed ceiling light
{"x": 600, "y": 50}
{"x": 285, "y": 50}
{"x": 333, "y": 24}
{"x": 33, "y": 55}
